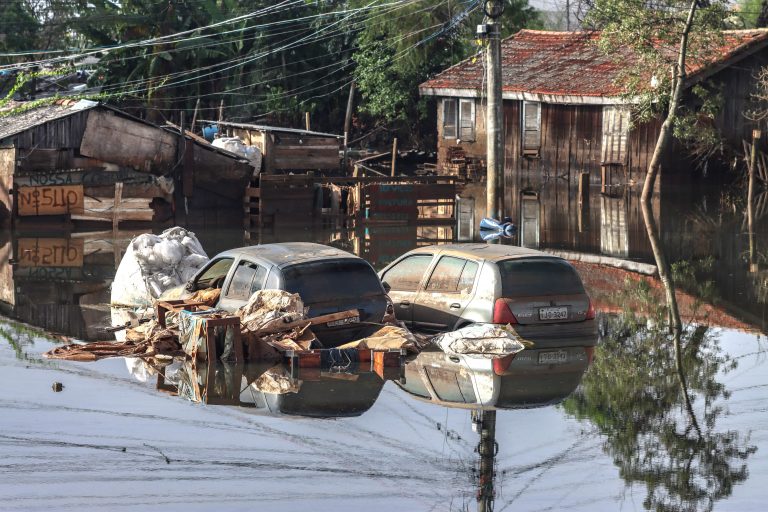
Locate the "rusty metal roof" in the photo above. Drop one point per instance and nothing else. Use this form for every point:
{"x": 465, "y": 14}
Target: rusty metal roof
{"x": 561, "y": 64}
{"x": 17, "y": 123}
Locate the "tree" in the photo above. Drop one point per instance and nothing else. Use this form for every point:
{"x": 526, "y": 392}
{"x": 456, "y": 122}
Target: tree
{"x": 657, "y": 41}
{"x": 18, "y": 28}
{"x": 397, "y": 53}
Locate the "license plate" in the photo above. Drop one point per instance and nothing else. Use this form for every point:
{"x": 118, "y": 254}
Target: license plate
{"x": 554, "y": 357}
{"x": 560, "y": 313}
{"x": 344, "y": 321}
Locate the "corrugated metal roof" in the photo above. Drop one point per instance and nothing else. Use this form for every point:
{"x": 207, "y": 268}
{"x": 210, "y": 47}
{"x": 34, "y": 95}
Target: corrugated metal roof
{"x": 569, "y": 64}
{"x": 264, "y": 128}
{"x": 13, "y": 124}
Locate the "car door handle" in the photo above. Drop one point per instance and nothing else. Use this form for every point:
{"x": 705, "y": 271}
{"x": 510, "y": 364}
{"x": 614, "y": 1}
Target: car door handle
{"x": 455, "y": 305}
{"x": 405, "y": 304}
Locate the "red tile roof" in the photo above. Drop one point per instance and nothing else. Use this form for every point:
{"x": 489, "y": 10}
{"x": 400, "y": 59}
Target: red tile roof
{"x": 569, "y": 64}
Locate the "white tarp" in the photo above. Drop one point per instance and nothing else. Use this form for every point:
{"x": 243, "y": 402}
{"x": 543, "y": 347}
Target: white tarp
{"x": 153, "y": 264}
{"x": 237, "y": 146}
{"x": 489, "y": 341}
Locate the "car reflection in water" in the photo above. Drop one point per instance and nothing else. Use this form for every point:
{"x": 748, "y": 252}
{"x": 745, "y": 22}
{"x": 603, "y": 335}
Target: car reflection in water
{"x": 274, "y": 389}
{"x": 532, "y": 378}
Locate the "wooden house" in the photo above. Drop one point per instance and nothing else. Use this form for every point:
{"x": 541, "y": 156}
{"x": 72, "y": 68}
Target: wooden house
{"x": 289, "y": 149}
{"x": 564, "y": 112}
{"x": 82, "y": 161}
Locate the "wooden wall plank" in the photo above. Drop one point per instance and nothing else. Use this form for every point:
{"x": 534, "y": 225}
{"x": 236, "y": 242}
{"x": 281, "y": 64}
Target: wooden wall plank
{"x": 127, "y": 142}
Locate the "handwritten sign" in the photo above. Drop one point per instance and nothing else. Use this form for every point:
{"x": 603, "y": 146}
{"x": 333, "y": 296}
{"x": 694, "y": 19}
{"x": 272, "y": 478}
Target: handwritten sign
{"x": 392, "y": 202}
{"x": 50, "y": 200}
{"x": 50, "y": 252}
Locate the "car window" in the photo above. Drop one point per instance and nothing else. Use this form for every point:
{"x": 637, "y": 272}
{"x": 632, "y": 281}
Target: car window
{"x": 214, "y": 275}
{"x": 445, "y": 276}
{"x": 335, "y": 280}
{"x": 451, "y": 386}
{"x": 539, "y": 276}
{"x": 467, "y": 279}
{"x": 407, "y": 273}
{"x": 248, "y": 278}
{"x": 452, "y": 275}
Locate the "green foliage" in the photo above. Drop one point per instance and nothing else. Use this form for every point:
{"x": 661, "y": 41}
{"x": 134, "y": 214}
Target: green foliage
{"x": 18, "y": 26}
{"x": 695, "y": 278}
{"x": 428, "y": 37}
{"x": 648, "y": 36}
{"x": 749, "y": 12}
{"x": 270, "y": 68}
{"x": 633, "y": 395}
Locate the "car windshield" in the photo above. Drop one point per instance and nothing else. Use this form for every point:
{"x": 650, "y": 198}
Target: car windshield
{"x": 323, "y": 281}
{"x": 520, "y": 278}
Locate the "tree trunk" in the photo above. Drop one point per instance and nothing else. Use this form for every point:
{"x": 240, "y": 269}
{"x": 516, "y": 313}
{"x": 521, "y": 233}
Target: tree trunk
{"x": 665, "y": 135}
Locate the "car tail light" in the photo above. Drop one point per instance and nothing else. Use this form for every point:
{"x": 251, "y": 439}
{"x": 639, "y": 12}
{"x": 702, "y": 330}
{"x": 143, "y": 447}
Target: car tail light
{"x": 502, "y": 314}
{"x": 590, "y": 351}
{"x": 500, "y": 365}
{"x": 590, "y": 312}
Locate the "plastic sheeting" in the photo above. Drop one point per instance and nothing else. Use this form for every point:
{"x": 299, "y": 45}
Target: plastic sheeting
{"x": 489, "y": 341}
{"x": 237, "y": 146}
{"x": 153, "y": 264}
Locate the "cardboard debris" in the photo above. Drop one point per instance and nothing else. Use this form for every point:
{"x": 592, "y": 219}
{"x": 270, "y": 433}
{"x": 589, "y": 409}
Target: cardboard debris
{"x": 268, "y": 308}
{"x": 277, "y": 381}
{"x": 389, "y": 337}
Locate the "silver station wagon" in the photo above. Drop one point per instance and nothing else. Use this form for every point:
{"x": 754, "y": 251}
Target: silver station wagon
{"x": 445, "y": 287}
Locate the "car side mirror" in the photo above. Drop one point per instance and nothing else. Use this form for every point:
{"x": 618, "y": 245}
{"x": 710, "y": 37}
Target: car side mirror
{"x": 386, "y": 286}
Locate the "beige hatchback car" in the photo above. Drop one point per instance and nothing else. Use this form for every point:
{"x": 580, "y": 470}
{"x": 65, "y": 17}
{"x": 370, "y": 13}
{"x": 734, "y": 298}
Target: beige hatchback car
{"x": 445, "y": 287}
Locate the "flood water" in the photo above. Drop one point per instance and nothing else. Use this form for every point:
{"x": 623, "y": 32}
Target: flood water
{"x": 607, "y": 430}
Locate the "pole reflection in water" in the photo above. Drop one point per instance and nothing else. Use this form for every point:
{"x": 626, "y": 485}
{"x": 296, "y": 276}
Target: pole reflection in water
{"x": 536, "y": 377}
{"x": 485, "y": 424}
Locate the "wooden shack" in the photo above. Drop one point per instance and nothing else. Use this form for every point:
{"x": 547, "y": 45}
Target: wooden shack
{"x": 82, "y": 161}
{"x": 565, "y": 112}
{"x": 289, "y": 149}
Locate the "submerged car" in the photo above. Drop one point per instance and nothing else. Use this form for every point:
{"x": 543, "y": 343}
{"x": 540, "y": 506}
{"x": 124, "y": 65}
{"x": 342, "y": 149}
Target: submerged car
{"x": 328, "y": 280}
{"x": 446, "y": 287}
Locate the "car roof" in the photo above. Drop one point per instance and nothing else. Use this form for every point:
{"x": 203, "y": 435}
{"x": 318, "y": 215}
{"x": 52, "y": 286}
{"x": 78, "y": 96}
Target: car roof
{"x": 490, "y": 252}
{"x": 289, "y": 253}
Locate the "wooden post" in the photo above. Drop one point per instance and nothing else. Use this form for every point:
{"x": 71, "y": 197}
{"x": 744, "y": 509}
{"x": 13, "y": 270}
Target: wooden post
{"x": 194, "y": 116}
{"x": 583, "y": 187}
{"x": 116, "y": 209}
{"x": 348, "y": 116}
{"x": 756, "y": 134}
{"x": 221, "y": 111}
{"x": 306, "y": 120}
{"x": 394, "y": 156}
{"x": 356, "y": 171}
{"x": 603, "y": 176}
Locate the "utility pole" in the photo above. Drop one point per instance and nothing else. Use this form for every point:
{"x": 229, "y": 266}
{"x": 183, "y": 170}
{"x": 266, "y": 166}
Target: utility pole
{"x": 494, "y": 108}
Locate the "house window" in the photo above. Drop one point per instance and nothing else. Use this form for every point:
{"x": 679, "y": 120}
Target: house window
{"x": 615, "y": 134}
{"x": 531, "y": 128}
{"x": 459, "y": 119}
